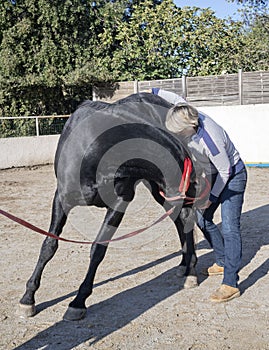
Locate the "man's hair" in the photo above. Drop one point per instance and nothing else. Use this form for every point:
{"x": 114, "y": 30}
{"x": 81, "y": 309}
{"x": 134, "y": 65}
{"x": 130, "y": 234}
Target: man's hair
{"x": 181, "y": 116}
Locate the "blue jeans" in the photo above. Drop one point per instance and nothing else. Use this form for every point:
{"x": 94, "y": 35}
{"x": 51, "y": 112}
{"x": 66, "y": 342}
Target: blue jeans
{"x": 227, "y": 244}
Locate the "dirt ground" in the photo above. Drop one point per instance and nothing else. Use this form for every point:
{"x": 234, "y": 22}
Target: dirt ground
{"x": 138, "y": 301}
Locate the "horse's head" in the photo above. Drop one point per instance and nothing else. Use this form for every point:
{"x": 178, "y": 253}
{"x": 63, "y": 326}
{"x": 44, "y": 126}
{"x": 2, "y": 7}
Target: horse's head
{"x": 194, "y": 187}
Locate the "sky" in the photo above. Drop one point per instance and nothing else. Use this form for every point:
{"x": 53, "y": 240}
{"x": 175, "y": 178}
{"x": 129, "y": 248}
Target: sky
{"x": 222, "y": 8}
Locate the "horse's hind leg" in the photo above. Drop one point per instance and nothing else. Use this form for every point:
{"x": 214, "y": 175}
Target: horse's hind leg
{"x": 77, "y": 308}
{"x": 47, "y": 251}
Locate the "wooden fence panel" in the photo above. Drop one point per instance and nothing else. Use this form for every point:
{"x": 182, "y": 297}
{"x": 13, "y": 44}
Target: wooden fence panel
{"x": 255, "y": 87}
{"x": 173, "y": 85}
{"x": 226, "y": 89}
{"x": 213, "y": 90}
{"x": 113, "y": 92}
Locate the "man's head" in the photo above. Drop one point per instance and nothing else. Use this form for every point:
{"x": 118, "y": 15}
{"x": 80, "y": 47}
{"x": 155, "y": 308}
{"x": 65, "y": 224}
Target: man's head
{"x": 182, "y": 119}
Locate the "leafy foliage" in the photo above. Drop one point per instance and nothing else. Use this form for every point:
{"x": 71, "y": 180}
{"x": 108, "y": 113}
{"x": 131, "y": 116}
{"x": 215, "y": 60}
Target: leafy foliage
{"x": 255, "y": 55}
{"x": 53, "y": 52}
{"x": 255, "y": 5}
{"x": 164, "y": 41}
{"x": 47, "y": 55}
{"x": 255, "y": 15}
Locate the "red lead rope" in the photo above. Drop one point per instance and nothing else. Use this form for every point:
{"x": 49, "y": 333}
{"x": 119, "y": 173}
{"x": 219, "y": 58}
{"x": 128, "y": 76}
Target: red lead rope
{"x": 48, "y": 234}
{"x": 183, "y": 188}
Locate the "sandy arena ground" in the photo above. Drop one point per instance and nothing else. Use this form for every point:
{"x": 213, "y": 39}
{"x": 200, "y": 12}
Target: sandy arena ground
{"x": 138, "y": 301}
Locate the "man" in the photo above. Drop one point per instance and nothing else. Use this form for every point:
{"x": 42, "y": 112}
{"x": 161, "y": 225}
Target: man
{"x": 208, "y": 139}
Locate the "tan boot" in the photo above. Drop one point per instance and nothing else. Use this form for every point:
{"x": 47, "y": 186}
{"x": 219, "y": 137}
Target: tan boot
{"x": 214, "y": 270}
{"x": 224, "y": 293}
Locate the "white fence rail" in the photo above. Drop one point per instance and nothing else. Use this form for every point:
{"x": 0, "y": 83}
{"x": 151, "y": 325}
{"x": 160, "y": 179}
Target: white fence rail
{"x": 37, "y": 121}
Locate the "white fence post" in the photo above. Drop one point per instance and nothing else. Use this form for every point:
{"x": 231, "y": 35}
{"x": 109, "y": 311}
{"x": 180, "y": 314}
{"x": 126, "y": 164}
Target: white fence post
{"x": 136, "y": 87}
{"x": 94, "y": 97}
{"x": 240, "y": 85}
{"x": 36, "y": 126}
{"x": 184, "y": 86}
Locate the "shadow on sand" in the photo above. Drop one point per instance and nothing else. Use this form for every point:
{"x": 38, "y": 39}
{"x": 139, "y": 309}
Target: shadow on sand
{"x": 96, "y": 326}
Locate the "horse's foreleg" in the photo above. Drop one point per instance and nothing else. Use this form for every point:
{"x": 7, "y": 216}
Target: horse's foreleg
{"x": 47, "y": 251}
{"x": 184, "y": 220}
{"x": 77, "y": 308}
{"x": 185, "y": 226}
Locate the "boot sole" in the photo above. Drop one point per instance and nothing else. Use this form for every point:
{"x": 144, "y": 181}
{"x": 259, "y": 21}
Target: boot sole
{"x": 235, "y": 295}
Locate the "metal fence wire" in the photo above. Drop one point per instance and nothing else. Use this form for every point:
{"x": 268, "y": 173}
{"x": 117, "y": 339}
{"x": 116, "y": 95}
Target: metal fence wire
{"x": 32, "y": 126}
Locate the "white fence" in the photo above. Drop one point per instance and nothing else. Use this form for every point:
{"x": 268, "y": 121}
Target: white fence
{"x": 248, "y": 126}
{"x": 27, "y": 151}
{"x": 54, "y": 128}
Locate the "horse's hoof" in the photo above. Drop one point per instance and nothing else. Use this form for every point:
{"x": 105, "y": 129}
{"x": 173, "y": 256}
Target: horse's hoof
{"x": 190, "y": 282}
{"x": 181, "y": 270}
{"x": 74, "y": 314}
{"x": 26, "y": 310}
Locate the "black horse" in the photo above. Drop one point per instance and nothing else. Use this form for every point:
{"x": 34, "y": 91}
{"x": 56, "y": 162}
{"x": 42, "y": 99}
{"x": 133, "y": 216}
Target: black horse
{"x": 104, "y": 151}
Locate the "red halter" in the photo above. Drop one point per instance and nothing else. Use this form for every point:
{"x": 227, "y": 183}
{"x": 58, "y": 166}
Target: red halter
{"x": 184, "y": 186}
{"x": 184, "y": 183}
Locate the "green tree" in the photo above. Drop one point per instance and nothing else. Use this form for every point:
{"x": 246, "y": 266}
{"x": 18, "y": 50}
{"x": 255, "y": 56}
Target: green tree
{"x": 47, "y": 55}
{"x": 161, "y": 40}
{"x": 53, "y": 52}
{"x": 255, "y": 55}
{"x": 257, "y": 6}
{"x": 253, "y": 9}
{"x": 211, "y": 44}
